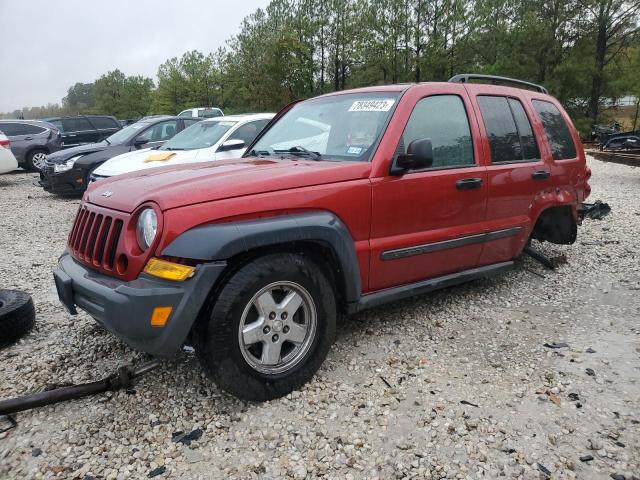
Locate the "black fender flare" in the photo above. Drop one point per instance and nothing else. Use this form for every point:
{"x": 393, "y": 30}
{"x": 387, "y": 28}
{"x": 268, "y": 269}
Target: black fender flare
{"x": 221, "y": 241}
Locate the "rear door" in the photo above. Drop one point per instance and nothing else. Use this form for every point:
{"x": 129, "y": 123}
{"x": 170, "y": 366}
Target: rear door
{"x": 77, "y": 131}
{"x": 429, "y": 222}
{"x": 516, "y": 172}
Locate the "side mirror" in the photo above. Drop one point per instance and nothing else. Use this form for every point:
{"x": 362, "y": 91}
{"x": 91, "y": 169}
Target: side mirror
{"x": 138, "y": 142}
{"x": 419, "y": 155}
{"x": 231, "y": 145}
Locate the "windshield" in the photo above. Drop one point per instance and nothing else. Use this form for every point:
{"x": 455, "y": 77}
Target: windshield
{"x": 124, "y": 135}
{"x": 338, "y": 127}
{"x": 198, "y": 135}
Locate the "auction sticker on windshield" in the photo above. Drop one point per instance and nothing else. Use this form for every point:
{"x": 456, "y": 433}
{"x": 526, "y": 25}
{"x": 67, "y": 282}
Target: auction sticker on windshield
{"x": 383, "y": 105}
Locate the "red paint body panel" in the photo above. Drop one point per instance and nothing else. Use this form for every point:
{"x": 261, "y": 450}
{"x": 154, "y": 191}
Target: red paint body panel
{"x": 382, "y": 212}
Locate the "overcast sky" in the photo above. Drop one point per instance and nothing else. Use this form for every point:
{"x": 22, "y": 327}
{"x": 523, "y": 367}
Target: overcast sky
{"x": 47, "y": 46}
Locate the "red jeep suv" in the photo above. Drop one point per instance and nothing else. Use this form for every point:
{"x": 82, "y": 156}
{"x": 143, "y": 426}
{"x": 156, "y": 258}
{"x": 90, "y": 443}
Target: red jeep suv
{"x": 344, "y": 202}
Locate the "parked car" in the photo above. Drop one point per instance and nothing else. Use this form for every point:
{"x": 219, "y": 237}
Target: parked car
{"x": 629, "y": 141}
{"x": 31, "y": 141}
{"x": 8, "y": 162}
{"x": 201, "y": 112}
{"x": 67, "y": 172}
{"x": 600, "y": 133}
{"x": 219, "y": 138}
{"x": 344, "y": 202}
{"x": 84, "y": 129}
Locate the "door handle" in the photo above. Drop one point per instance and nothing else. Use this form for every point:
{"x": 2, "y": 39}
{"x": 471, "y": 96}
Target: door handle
{"x": 541, "y": 174}
{"x": 469, "y": 183}
{"x": 28, "y": 138}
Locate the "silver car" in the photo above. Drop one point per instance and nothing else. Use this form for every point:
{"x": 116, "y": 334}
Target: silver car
{"x": 31, "y": 141}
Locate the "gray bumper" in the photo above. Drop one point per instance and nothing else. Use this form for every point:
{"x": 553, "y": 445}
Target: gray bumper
{"x": 125, "y": 308}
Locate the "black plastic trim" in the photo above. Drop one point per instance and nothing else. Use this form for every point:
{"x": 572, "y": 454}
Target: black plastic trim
{"x": 446, "y": 244}
{"x": 398, "y": 293}
{"x": 222, "y": 241}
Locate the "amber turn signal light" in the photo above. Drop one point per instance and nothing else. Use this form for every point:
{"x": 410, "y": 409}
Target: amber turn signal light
{"x": 168, "y": 270}
{"x": 160, "y": 316}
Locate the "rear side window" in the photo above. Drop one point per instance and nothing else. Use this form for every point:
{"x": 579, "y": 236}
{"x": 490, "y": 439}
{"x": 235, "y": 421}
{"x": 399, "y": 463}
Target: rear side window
{"x": 76, "y": 125}
{"x": 104, "y": 122}
{"x": 558, "y": 134}
{"x": 443, "y": 120}
{"x": 510, "y": 134}
{"x": 186, "y": 113}
{"x": 32, "y": 129}
{"x": 11, "y": 129}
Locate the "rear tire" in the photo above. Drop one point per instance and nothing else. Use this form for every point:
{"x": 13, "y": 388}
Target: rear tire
{"x": 269, "y": 329}
{"x": 36, "y": 159}
{"x": 17, "y": 315}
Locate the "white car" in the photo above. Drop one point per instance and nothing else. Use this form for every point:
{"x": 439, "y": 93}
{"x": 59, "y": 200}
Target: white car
{"x": 218, "y": 138}
{"x": 201, "y": 112}
{"x": 8, "y": 162}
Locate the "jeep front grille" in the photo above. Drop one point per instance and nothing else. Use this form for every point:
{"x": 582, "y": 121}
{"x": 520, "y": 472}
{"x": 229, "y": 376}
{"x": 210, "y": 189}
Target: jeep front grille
{"x": 94, "y": 237}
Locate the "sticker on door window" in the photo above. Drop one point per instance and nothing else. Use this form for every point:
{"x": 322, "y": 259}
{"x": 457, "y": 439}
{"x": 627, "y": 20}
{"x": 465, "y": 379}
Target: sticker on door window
{"x": 371, "y": 105}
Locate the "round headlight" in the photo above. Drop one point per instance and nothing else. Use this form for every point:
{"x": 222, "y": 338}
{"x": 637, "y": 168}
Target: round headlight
{"x": 147, "y": 228}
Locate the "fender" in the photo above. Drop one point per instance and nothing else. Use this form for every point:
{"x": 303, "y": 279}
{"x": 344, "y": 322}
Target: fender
{"x": 222, "y": 241}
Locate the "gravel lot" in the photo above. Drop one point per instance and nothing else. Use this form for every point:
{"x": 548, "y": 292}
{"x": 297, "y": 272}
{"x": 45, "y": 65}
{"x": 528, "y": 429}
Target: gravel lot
{"x": 387, "y": 402}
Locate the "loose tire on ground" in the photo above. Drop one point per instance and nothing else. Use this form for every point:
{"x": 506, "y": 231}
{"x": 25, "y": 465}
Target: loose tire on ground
{"x": 220, "y": 342}
{"x": 17, "y": 315}
{"x": 35, "y": 159}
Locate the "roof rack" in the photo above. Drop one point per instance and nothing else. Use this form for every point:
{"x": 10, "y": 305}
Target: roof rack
{"x": 465, "y": 77}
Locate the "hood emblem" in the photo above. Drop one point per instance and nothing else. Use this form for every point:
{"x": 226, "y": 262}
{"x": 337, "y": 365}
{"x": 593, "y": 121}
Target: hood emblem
{"x": 107, "y": 194}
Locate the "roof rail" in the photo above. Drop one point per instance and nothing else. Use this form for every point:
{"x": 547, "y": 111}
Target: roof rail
{"x": 465, "y": 77}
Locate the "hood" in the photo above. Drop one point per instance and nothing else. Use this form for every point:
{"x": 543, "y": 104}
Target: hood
{"x": 63, "y": 155}
{"x": 187, "y": 184}
{"x": 139, "y": 160}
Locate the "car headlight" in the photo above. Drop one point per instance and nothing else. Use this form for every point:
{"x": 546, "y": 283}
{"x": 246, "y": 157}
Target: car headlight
{"x": 66, "y": 166}
{"x": 147, "y": 227}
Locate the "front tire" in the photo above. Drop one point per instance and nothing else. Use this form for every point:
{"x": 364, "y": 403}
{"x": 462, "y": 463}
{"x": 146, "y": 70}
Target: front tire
{"x": 36, "y": 159}
{"x": 269, "y": 329}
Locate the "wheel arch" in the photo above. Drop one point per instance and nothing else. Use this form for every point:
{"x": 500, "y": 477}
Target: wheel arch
{"x": 319, "y": 234}
{"x": 556, "y": 224}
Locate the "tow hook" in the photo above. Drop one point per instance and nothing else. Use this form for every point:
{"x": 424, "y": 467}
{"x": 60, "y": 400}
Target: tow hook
{"x": 124, "y": 378}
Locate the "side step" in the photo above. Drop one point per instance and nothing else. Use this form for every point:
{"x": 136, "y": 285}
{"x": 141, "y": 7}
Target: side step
{"x": 425, "y": 286}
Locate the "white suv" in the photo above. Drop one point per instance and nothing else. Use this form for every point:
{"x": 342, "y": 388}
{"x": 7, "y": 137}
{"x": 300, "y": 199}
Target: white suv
{"x": 201, "y": 112}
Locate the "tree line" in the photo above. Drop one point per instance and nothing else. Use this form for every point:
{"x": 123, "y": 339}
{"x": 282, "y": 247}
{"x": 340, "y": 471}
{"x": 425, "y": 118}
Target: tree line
{"x": 586, "y": 52}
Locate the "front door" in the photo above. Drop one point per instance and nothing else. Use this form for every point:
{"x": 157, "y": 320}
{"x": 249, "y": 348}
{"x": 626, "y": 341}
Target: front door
{"x": 430, "y": 222}
{"x": 247, "y": 133}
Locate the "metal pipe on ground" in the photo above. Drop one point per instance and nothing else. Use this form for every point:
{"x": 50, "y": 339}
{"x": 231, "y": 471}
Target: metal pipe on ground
{"x": 122, "y": 379}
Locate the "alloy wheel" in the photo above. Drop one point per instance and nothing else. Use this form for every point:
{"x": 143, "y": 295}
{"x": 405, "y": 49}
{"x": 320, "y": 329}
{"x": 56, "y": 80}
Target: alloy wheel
{"x": 277, "y": 327}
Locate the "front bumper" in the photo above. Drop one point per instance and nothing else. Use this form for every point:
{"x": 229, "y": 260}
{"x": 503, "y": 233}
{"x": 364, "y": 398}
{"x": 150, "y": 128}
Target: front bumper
{"x": 125, "y": 308}
{"x": 65, "y": 183}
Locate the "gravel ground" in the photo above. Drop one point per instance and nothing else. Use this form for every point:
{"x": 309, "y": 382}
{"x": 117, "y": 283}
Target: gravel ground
{"x": 391, "y": 399}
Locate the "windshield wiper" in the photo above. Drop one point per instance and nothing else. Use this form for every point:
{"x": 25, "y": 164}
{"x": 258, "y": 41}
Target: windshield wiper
{"x": 172, "y": 149}
{"x": 301, "y": 151}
